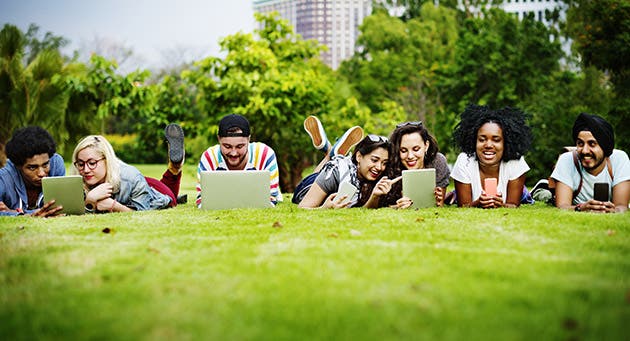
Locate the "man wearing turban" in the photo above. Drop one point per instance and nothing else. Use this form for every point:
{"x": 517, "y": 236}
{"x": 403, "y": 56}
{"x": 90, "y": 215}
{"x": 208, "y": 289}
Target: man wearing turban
{"x": 594, "y": 161}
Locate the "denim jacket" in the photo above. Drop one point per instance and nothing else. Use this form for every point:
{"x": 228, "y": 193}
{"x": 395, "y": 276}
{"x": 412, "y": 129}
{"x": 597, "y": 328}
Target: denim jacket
{"x": 13, "y": 189}
{"x": 136, "y": 193}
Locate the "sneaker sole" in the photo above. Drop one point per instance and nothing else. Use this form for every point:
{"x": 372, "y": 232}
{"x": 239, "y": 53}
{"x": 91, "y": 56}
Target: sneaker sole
{"x": 351, "y": 140}
{"x": 311, "y": 125}
{"x": 175, "y": 138}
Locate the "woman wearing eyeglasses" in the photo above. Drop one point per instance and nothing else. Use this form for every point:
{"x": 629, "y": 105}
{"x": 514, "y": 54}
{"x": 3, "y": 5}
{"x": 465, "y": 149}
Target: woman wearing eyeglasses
{"x": 412, "y": 147}
{"x": 114, "y": 186}
{"x": 493, "y": 143}
{"x": 363, "y": 169}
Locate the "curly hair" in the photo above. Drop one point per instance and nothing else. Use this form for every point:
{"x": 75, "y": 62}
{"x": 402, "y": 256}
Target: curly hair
{"x": 366, "y": 146}
{"x": 517, "y": 136}
{"x": 396, "y": 166}
{"x": 28, "y": 142}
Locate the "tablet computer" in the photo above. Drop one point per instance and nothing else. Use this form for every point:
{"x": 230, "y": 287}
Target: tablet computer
{"x": 419, "y": 186}
{"x": 347, "y": 189}
{"x": 67, "y": 191}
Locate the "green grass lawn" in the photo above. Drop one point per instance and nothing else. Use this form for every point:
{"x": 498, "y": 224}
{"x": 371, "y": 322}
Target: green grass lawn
{"x": 287, "y": 273}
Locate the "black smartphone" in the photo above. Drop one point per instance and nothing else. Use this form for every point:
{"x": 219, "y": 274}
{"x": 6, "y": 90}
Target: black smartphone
{"x": 600, "y": 191}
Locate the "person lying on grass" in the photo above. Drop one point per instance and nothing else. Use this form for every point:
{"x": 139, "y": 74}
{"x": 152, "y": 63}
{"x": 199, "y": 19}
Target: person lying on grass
{"x": 598, "y": 163}
{"x": 235, "y": 151}
{"x": 493, "y": 143}
{"x": 114, "y": 186}
{"x": 31, "y": 153}
{"x": 363, "y": 169}
{"x": 412, "y": 147}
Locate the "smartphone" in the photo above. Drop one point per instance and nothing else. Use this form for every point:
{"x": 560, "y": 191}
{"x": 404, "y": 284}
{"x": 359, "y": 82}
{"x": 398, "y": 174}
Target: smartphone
{"x": 348, "y": 189}
{"x": 490, "y": 186}
{"x": 600, "y": 191}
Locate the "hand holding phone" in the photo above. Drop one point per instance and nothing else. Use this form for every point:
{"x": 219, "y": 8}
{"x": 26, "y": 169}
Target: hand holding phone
{"x": 601, "y": 191}
{"x": 490, "y": 186}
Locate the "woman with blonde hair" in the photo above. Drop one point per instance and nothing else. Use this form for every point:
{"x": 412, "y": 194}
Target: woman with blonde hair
{"x": 111, "y": 185}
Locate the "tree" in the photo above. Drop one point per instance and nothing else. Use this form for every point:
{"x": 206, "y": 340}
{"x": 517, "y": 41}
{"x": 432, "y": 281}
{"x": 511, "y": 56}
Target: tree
{"x": 600, "y": 30}
{"x": 29, "y": 94}
{"x": 402, "y": 62}
{"x": 275, "y": 81}
{"x": 501, "y": 61}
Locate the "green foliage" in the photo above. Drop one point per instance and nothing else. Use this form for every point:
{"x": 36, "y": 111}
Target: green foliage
{"x": 402, "y": 61}
{"x": 32, "y": 93}
{"x": 601, "y": 31}
{"x": 501, "y": 61}
{"x": 288, "y": 273}
{"x": 275, "y": 81}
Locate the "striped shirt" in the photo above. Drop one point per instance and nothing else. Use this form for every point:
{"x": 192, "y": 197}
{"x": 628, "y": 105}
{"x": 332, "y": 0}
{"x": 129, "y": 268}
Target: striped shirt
{"x": 260, "y": 157}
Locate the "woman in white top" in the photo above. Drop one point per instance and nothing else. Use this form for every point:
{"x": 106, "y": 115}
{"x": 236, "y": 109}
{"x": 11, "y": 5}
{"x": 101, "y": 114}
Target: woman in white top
{"x": 493, "y": 143}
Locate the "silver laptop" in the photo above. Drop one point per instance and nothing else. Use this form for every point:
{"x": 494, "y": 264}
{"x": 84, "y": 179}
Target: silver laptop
{"x": 235, "y": 189}
{"x": 419, "y": 185}
{"x": 67, "y": 191}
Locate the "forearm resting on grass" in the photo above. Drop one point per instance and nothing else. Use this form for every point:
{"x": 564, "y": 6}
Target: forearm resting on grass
{"x": 619, "y": 203}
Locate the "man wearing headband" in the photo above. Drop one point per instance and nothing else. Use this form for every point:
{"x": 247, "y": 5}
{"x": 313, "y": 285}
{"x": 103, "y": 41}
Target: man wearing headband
{"x": 236, "y": 152}
{"x": 594, "y": 161}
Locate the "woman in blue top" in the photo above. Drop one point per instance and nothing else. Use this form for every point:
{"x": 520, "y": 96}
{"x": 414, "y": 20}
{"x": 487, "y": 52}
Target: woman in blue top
{"x": 114, "y": 186}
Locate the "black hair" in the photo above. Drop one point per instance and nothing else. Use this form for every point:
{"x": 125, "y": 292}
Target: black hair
{"x": 366, "y": 146}
{"x": 395, "y": 167}
{"x": 28, "y": 142}
{"x": 517, "y": 136}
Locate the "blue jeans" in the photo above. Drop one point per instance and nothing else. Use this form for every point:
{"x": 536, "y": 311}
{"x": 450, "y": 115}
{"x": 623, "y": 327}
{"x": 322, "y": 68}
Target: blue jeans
{"x": 302, "y": 188}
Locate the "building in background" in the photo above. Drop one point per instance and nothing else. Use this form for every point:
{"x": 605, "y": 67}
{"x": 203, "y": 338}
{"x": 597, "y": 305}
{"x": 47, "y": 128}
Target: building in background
{"x": 334, "y": 23}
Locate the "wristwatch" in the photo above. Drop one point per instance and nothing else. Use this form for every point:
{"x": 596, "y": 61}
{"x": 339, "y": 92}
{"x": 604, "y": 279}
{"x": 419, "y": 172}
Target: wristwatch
{"x": 89, "y": 208}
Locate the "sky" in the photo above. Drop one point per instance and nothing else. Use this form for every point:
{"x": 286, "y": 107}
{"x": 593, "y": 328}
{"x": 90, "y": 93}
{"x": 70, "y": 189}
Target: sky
{"x": 159, "y": 32}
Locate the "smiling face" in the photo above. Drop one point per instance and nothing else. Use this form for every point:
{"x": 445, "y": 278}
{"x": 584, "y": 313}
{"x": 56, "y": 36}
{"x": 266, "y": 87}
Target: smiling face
{"x": 590, "y": 152}
{"x": 34, "y": 169}
{"x": 490, "y": 144}
{"x": 371, "y": 166}
{"x": 412, "y": 151}
{"x": 234, "y": 151}
{"x": 89, "y": 158}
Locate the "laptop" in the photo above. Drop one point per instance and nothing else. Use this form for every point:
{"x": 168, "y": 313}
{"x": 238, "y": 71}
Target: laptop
{"x": 419, "y": 185}
{"x": 67, "y": 191}
{"x": 222, "y": 190}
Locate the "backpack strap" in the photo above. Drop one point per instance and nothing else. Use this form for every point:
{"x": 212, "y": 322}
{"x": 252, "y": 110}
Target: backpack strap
{"x": 577, "y": 166}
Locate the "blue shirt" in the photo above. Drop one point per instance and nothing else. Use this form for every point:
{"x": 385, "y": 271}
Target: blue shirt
{"x": 136, "y": 193}
{"x": 13, "y": 190}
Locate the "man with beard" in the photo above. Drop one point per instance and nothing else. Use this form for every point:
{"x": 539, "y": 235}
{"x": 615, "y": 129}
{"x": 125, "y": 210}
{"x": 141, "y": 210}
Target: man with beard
{"x": 594, "y": 161}
{"x": 236, "y": 152}
{"x": 31, "y": 154}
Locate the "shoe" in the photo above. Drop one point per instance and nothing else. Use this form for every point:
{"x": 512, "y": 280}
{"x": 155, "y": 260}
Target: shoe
{"x": 348, "y": 140}
{"x": 175, "y": 139}
{"x": 542, "y": 183}
{"x": 316, "y": 131}
{"x": 182, "y": 199}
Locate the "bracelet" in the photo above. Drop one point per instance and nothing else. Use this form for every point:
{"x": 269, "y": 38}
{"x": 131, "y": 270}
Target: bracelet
{"x": 578, "y": 208}
{"x": 111, "y": 209}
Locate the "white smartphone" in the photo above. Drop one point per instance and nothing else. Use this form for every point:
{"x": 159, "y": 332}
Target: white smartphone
{"x": 347, "y": 189}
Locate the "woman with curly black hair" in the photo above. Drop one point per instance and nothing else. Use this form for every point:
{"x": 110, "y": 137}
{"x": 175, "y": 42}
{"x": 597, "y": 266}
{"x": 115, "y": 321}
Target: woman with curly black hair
{"x": 493, "y": 143}
{"x": 412, "y": 147}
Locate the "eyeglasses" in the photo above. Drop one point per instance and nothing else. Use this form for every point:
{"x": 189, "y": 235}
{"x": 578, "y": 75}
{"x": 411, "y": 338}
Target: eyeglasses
{"x": 91, "y": 164}
{"x": 414, "y": 123}
{"x": 377, "y": 138}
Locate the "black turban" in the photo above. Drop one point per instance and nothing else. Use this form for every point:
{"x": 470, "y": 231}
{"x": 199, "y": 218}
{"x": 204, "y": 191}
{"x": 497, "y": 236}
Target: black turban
{"x": 601, "y": 130}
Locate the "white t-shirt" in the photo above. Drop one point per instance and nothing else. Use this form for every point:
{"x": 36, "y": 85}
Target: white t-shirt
{"x": 566, "y": 173}
{"x": 466, "y": 170}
